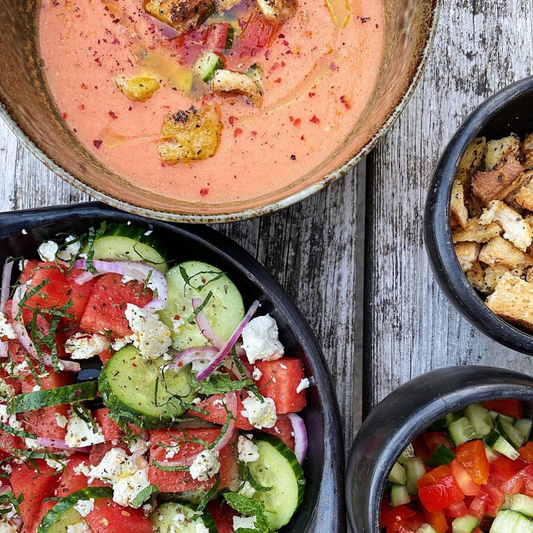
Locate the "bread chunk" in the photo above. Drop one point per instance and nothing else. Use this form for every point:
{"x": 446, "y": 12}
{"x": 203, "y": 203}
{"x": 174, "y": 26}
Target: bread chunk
{"x": 467, "y": 253}
{"x": 474, "y": 231}
{"x": 493, "y": 275}
{"x": 249, "y": 84}
{"x": 498, "y": 183}
{"x": 182, "y": 15}
{"x": 524, "y": 195}
{"x": 500, "y": 251}
{"x": 457, "y": 205}
{"x": 527, "y": 152}
{"x": 137, "y": 89}
{"x": 476, "y": 278}
{"x": 278, "y": 10}
{"x": 225, "y": 5}
{"x": 498, "y": 150}
{"x": 471, "y": 159}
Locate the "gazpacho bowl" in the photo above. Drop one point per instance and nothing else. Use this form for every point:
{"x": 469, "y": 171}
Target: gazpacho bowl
{"x": 323, "y": 507}
{"x": 28, "y": 109}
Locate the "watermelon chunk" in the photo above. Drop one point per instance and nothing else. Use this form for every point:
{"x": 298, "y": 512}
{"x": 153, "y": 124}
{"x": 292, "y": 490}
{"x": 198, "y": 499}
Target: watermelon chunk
{"x": 216, "y": 413}
{"x": 109, "y": 517}
{"x": 182, "y": 481}
{"x": 107, "y": 304}
{"x": 283, "y": 430}
{"x": 9, "y": 442}
{"x": 222, "y": 515}
{"x": 280, "y": 380}
{"x": 72, "y": 479}
{"x": 110, "y": 429}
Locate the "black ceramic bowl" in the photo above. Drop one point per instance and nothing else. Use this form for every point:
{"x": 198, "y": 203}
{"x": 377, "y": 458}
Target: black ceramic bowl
{"x": 509, "y": 111}
{"x": 323, "y": 508}
{"x": 402, "y": 415}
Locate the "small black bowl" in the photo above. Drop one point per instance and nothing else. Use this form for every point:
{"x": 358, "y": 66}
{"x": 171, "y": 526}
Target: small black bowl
{"x": 405, "y": 413}
{"x": 323, "y": 507}
{"x": 508, "y": 111}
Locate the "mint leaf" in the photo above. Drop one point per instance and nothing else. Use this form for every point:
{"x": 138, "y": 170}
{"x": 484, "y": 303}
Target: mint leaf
{"x": 151, "y": 490}
{"x": 249, "y": 507}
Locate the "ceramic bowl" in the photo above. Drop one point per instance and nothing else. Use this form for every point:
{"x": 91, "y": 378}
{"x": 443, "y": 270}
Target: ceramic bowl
{"x": 323, "y": 507}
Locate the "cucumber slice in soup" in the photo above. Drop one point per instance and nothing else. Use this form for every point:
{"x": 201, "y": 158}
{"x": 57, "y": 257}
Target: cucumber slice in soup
{"x": 277, "y": 467}
{"x": 129, "y": 383}
{"x": 399, "y": 495}
{"x": 224, "y": 310}
{"x": 164, "y": 519}
{"x": 121, "y": 242}
{"x": 397, "y": 475}
{"x": 465, "y": 524}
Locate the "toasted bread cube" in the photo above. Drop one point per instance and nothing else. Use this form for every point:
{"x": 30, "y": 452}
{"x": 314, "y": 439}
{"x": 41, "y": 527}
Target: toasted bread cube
{"x": 474, "y": 204}
{"x": 279, "y": 10}
{"x": 471, "y": 159}
{"x": 493, "y": 275}
{"x": 137, "y": 89}
{"x": 467, "y": 253}
{"x": 182, "y": 15}
{"x": 524, "y": 195}
{"x": 476, "y": 277}
{"x": 498, "y": 150}
{"x": 527, "y": 152}
{"x": 249, "y": 84}
{"x": 513, "y": 301}
{"x": 457, "y": 204}
{"x": 498, "y": 183}
{"x": 474, "y": 231}
{"x": 190, "y": 135}
{"x": 499, "y": 251}
{"x": 516, "y": 229}
{"x": 225, "y": 5}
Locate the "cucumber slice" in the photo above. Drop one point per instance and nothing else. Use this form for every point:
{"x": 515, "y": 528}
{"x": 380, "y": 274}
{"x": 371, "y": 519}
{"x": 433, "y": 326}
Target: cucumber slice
{"x": 406, "y": 454}
{"x": 451, "y": 417}
{"x": 523, "y": 525}
{"x": 479, "y": 419}
{"x": 494, "y": 415}
{"x": 507, "y": 503}
{"x": 425, "y": 528}
{"x": 397, "y": 475}
{"x": 277, "y": 467}
{"x": 505, "y": 522}
{"x": 121, "y": 242}
{"x": 461, "y": 431}
{"x": 465, "y": 524}
{"x": 524, "y": 427}
{"x": 399, "y": 495}
{"x": 521, "y": 503}
{"x": 496, "y": 441}
{"x": 229, "y": 38}
{"x": 492, "y": 455}
{"x": 441, "y": 456}
{"x": 31, "y": 401}
{"x": 509, "y": 432}
{"x": 128, "y": 385}
{"x": 414, "y": 470}
{"x": 207, "y": 64}
{"x": 224, "y": 310}
{"x": 63, "y": 513}
{"x": 164, "y": 519}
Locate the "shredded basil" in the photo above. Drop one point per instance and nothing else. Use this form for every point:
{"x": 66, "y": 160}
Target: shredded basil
{"x": 209, "y": 495}
{"x": 200, "y": 308}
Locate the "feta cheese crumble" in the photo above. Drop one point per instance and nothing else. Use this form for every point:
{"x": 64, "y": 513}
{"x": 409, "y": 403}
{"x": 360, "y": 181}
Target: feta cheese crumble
{"x": 248, "y": 451}
{"x": 260, "y": 414}
{"x": 8, "y": 527}
{"x": 48, "y": 250}
{"x": 257, "y": 374}
{"x": 61, "y": 420}
{"x": 200, "y": 528}
{"x": 71, "y": 249}
{"x": 304, "y": 384}
{"x": 81, "y": 433}
{"x": 83, "y": 346}
{"x": 260, "y": 340}
{"x": 205, "y": 465}
{"x": 84, "y": 507}
{"x": 82, "y": 527}
{"x": 6, "y": 330}
{"x": 247, "y": 490}
{"x": 246, "y": 522}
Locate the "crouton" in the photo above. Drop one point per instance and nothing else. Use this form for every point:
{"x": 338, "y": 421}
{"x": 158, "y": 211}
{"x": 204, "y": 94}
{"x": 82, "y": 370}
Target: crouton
{"x": 524, "y": 195}
{"x": 498, "y": 183}
{"x": 474, "y": 205}
{"x": 471, "y": 159}
{"x": 510, "y": 199}
{"x": 278, "y": 10}
{"x": 516, "y": 229}
{"x": 467, "y": 253}
{"x": 137, "y": 89}
{"x": 226, "y": 5}
{"x": 498, "y": 150}
{"x": 457, "y": 204}
{"x": 476, "y": 277}
{"x": 493, "y": 275}
{"x": 190, "y": 135}
{"x": 182, "y": 15}
{"x": 474, "y": 231}
{"x": 512, "y": 301}
{"x": 527, "y": 152}
{"x": 249, "y": 84}
{"x": 499, "y": 251}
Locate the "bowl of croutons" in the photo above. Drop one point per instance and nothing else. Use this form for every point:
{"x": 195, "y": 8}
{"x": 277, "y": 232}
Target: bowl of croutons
{"x": 479, "y": 218}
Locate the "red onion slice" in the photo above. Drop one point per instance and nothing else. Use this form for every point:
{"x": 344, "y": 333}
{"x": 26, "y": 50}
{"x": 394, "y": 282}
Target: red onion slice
{"x": 224, "y": 351}
{"x": 205, "y": 327}
{"x": 230, "y": 400}
{"x": 60, "y": 445}
{"x": 6, "y": 279}
{"x": 300, "y": 437}
{"x": 4, "y": 349}
{"x": 192, "y": 354}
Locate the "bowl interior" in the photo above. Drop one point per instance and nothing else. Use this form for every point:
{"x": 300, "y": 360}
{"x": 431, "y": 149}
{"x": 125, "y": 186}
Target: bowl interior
{"x": 28, "y": 108}
{"x": 254, "y": 283}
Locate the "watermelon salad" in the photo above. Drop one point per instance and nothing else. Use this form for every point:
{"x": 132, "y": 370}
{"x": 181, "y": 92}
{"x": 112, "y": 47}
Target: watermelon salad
{"x": 469, "y": 472}
{"x": 139, "y": 395}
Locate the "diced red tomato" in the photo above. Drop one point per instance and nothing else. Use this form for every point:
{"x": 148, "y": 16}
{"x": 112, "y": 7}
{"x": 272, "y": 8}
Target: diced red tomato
{"x": 496, "y": 498}
{"x": 415, "y": 522}
{"x": 516, "y": 483}
{"x": 456, "y": 510}
{"x": 283, "y": 430}
{"x": 110, "y": 429}
{"x": 439, "y": 495}
{"x": 280, "y": 380}
{"x": 473, "y": 457}
{"x": 464, "y": 479}
{"x": 399, "y": 527}
{"x": 216, "y": 413}
{"x": 528, "y": 487}
{"x": 72, "y": 479}
{"x": 107, "y": 304}
{"x": 434, "y": 476}
{"x": 479, "y": 505}
{"x": 507, "y": 468}
{"x": 436, "y": 520}
{"x": 526, "y": 452}
{"x": 222, "y": 515}
{"x": 512, "y": 408}
{"x": 217, "y": 36}
{"x": 434, "y": 439}
{"x": 257, "y": 33}
{"x": 109, "y": 517}
{"x": 390, "y": 515}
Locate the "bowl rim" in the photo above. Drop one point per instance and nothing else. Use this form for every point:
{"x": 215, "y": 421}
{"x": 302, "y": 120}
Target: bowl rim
{"x": 438, "y": 236}
{"x": 328, "y": 505}
{"x": 433, "y": 17}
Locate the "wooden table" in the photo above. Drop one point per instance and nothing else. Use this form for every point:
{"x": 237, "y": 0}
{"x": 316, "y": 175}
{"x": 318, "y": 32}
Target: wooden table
{"x": 316, "y": 249}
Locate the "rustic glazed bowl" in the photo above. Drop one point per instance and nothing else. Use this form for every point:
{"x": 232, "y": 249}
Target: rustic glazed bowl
{"x": 508, "y": 111}
{"x": 406, "y": 412}
{"x": 28, "y": 109}
{"x": 323, "y": 506}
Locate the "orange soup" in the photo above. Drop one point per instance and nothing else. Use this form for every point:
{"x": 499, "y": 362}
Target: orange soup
{"x": 211, "y": 102}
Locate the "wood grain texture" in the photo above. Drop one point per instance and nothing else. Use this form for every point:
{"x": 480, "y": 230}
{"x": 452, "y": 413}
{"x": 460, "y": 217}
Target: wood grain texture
{"x": 411, "y": 328}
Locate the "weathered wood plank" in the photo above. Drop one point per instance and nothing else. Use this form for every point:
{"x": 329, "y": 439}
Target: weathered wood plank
{"x": 411, "y": 328}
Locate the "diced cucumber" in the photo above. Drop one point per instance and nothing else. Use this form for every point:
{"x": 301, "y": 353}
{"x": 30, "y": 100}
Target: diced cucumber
{"x": 524, "y": 427}
{"x": 523, "y": 525}
{"x": 494, "y": 415}
{"x": 121, "y": 242}
{"x": 461, "y": 431}
{"x": 399, "y": 495}
{"x": 397, "y": 475}
{"x": 441, "y": 456}
{"x": 492, "y": 455}
{"x": 439, "y": 425}
{"x": 164, "y": 519}
{"x": 521, "y": 503}
{"x": 479, "y": 419}
{"x": 425, "y": 528}
{"x": 507, "y": 503}
{"x": 505, "y": 522}
{"x": 129, "y": 384}
{"x": 509, "y": 432}
{"x": 207, "y": 64}
{"x": 277, "y": 467}
{"x": 406, "y": 454}
{"x": 414, "y": 470}
{"x": 224, "y": 310}
{"x": 451, "y": 417}
{"x": 496, "y": 441}
{"x": 465, "y": 524}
